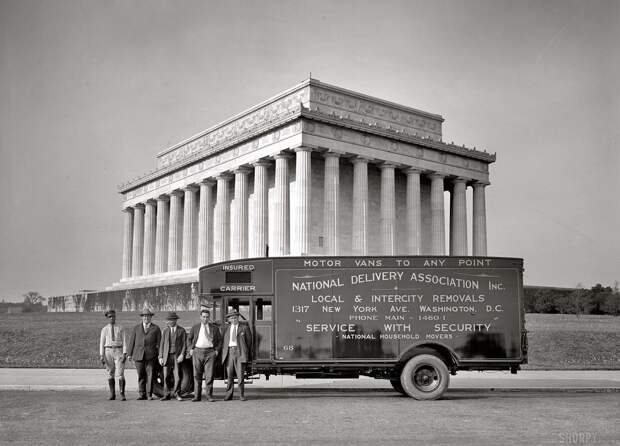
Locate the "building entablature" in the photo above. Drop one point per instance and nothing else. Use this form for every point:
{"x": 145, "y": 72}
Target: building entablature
{"x": 320, "y": 137}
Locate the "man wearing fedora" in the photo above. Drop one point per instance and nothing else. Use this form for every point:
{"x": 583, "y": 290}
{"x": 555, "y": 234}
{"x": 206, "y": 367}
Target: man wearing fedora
{"x": 143, "y": 347}
{"x": 172, "y": 354}
{"x": 236, "y": 353}
{"x": 204, "y": 342}
{"x": 113, "y": 353}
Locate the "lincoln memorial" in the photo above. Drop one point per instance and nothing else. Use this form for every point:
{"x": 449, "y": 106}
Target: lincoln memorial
{"x": 314, "y": 170}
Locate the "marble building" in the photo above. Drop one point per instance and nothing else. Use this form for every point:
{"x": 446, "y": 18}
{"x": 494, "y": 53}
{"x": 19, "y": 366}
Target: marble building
{"x": 314, "y": 170}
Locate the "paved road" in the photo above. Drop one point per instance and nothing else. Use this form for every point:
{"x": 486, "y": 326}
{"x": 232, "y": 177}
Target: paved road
{"x": 300, "y": 416}
{"x": 93, "y": 379}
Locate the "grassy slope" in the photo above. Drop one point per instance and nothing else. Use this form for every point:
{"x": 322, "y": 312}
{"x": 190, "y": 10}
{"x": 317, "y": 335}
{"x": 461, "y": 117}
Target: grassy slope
{"x": 71, "y": 339}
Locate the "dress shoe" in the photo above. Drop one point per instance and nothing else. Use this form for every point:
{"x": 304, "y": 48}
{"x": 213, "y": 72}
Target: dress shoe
{"x": 228, "y": 398}
{"x": 195, "y": 399}
{"x": 165, "y": 398}
{"x": 179, "y": 398}
{"x": 141, "y": 398}
{"x": 242, "y": 398}
{"x": 210, "y": 399}
{"x": 151, "y": 397}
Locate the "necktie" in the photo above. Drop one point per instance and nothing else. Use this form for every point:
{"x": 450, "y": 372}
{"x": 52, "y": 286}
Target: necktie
{"x": 112, "y": 330}
{"x": 234, "y": 332}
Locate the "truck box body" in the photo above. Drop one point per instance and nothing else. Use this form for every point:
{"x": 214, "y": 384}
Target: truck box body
{"x": 365, "y": 315}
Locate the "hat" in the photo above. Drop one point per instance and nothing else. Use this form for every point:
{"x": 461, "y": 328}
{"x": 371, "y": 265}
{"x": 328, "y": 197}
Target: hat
{"x": 109, "y": 312}
{"x": 171, "y": 315}
{"x": 147, "y": 312}
{"x": 234, "y": 313}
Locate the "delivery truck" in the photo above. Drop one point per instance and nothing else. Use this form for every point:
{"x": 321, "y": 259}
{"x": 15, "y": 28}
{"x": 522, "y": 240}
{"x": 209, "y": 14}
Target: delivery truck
{"x": 412, "y": 320}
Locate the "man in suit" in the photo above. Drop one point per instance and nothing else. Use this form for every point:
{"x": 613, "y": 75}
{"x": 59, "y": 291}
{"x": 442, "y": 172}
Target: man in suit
{"x": 172, "y": 354}
{"x": 113, "y": 353}
{"x": 236, "y": 353}
{"x": 204, "y": 343}
{"x": 143, "y": 347}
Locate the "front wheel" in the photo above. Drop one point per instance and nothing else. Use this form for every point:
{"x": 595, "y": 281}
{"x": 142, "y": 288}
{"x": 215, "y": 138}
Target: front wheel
{"x": 425, "y": 377}
{"x": 397, "y": 386}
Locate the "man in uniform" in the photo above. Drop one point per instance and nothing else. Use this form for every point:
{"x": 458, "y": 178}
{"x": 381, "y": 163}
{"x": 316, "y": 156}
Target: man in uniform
{"x": 143, "y": 347}
{"x": 236, "y": 353}
{"x": 113, "y": 353}
{"x": 204, "y": 342}
{"x": 172, "y": 354}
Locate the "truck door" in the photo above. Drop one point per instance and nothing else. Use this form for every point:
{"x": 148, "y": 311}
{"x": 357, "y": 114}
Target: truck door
{"x": 262, "y": 328}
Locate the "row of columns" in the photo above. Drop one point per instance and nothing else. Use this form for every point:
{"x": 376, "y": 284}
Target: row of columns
{"x": 159, "y": 235}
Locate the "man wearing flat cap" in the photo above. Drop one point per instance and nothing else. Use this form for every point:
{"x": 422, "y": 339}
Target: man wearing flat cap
{"x": 204, "y": 342}
{"x": 237, "y": 351}
{"x": 172, "y": 354}
{"x": 143, "y": 348}
{"x": 113, "y": 353}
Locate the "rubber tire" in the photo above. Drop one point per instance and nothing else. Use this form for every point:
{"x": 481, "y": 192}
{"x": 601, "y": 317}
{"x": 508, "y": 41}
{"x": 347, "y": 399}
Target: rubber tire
{"x": 397, "y": 386}
{"x": 432, "y": 363}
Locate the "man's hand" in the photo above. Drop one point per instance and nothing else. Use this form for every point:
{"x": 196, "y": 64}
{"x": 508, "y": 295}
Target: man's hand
{"x": 161, "y": 361}
{"x": 102, "y": 359}
{"x": 191, "y": 352}
{"x": 124, "y": 357}
{"x": 180, "y": 359}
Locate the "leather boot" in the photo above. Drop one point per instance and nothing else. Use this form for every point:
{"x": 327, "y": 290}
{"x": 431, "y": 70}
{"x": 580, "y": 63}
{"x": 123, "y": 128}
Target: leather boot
{"x": 112, "y": 389}
{"x": 121, "y": 386}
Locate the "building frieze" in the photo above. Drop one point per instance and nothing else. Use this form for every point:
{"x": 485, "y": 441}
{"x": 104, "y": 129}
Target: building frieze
{"x": 369, "y": 128}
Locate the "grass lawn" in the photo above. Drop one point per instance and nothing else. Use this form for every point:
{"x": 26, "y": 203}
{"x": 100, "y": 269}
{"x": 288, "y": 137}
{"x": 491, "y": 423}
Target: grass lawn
{"x": 71, "y": 339}
{"x": 566, "y": 341}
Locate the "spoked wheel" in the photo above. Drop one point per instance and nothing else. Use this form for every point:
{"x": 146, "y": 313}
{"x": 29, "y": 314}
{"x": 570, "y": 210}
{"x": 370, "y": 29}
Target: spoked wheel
{"x": 425, "y": 377}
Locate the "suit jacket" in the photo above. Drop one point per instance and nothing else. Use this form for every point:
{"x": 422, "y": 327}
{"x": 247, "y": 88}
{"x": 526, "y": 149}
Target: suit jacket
{"x": 166, "y": 342}
{"x": 192, "y": 338}
{"x": 144, "y": 346}
{"x": 244, "y": 342}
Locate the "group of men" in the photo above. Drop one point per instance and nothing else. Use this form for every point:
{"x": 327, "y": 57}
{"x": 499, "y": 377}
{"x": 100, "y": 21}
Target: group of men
{"x": 147, "y": 345}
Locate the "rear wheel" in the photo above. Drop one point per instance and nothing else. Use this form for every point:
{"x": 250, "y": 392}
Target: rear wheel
{"x": 425, "y": 377}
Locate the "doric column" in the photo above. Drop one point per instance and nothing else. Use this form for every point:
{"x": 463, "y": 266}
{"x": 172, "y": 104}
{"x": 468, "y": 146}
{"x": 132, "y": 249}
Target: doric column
{"x": 161, "y": 235}
{"x": 479, "y": 219}
{"x": 331, "y": 203}
{"x": 127, "y": 242}
{"x": 205, "y": 223}
{"x": 281, "y": 207}
{"x": 458, "y": 218}
{"x": 388, "y": 210}
{"x": 150, "y": 226}
{"x": 190, "y": 217}
{"x": 175, "y": 236}
{"x": 300, "y": 204}
{"x": 360, "y": 206}
{"x": 239, "y": 226}
{"x": 414, "y": 212}
{"x": 259, "y": 229}
{"x": 438, "y": 229}
{"x": 138, "y": 240}
{"x": 221, "y": 220}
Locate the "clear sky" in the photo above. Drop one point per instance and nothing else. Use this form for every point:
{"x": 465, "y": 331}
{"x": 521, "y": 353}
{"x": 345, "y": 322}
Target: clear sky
{"x": 91, "y": 91}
